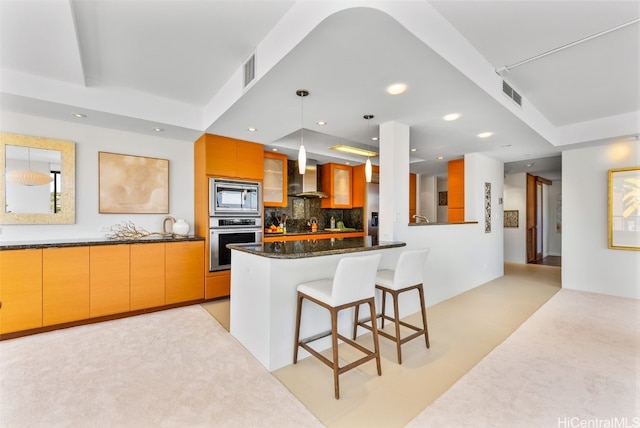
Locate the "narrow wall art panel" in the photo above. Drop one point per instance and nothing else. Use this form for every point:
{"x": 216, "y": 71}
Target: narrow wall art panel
{"x": 487, "y": 207}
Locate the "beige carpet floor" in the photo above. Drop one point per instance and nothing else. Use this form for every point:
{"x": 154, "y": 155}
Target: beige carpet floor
{"x": 175, "y": 368}
{"x": 574, "y": 363}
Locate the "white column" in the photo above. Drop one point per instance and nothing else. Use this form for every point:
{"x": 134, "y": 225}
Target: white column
{"x": 394, "y": 181}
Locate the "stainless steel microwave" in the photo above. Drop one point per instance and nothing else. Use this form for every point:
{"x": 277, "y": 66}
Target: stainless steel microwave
{"x": 234, "y": 198}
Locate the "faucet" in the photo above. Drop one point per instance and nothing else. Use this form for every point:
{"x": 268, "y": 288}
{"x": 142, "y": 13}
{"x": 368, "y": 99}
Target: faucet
{"x": 421, "y": 217}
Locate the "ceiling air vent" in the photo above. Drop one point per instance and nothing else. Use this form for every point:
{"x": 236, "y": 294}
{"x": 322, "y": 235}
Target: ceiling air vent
{"x": 511, "y": 93}
{"x": 249, "y": 70}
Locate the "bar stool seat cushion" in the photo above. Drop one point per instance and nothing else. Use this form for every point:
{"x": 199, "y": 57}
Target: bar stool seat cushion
{"x": 384, "y": 278}
{"x": 319, "y": 289}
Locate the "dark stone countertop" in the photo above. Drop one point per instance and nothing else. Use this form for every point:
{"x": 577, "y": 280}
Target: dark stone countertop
{"x": 81, "y": 242}
{"x": 305, "y": 248}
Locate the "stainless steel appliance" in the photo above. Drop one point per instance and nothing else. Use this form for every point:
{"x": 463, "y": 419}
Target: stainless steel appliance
{"x": 234, "y": 198}
{"x": 230, "y": 230}
{"x": 372, "y": 204}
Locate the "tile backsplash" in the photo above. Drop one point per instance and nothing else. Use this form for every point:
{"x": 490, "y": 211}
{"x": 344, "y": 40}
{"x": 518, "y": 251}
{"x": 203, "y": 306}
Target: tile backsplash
{"x": 300, "y": 211}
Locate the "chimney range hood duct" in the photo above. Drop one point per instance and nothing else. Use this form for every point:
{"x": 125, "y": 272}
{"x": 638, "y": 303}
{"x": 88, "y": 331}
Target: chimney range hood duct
{"x": 305, "y": 186}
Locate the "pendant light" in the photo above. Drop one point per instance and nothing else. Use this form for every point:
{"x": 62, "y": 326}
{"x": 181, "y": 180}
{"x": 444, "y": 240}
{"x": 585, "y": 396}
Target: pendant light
{"x": 367, "y": 166}
{"x": 302, "y": 154}
{"x": 29, "y": 177}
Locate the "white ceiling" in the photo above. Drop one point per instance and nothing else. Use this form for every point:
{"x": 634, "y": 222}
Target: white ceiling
{"x": 134, "y": 65}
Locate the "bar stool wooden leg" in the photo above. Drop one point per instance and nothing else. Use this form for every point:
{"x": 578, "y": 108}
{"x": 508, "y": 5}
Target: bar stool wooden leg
{"x": 297, "y": 338}
{"x": 424, "y": 315}
{"x": 396, "y": 320}
{"x": 374, "y": 329}
{"x": 356, "y": 320}
{"x": 384, "y": 305}
{"x": 334, "y": 345}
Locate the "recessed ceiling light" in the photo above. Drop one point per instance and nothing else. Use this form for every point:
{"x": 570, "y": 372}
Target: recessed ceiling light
{"x": 251, "y": 129}
{"x": 321, "y": 122}
{"x": 275, "y": 149}
{"x": 440, "y": 157}
{"x": 485, "y": 134}
{"x": 414, "y": 149}
{"x": 531, "y": 164}
{"x": 374, "y": 138}
{"x": 452, "y": 116}
{"x": 79, "y": 115}
{"x": 347, "y": 163}
{"x": 158, "y": 129}
{"x": 397, "y": 88}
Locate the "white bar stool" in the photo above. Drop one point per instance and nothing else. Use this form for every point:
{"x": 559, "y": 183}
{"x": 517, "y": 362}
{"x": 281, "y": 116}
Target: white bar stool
{"x": 407, "y": 276}
{"x": 352, "y": 285}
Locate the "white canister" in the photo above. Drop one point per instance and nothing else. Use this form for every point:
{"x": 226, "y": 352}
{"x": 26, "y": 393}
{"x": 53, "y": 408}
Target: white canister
{"x": 181, "y": 227}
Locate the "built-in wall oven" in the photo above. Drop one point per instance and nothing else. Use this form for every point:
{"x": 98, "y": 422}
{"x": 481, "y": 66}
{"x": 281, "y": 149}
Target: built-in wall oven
{"x": 235, "y": 217}
{"x": 223, "y": 231}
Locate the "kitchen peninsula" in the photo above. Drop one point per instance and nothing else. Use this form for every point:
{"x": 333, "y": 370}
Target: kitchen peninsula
{"x": 264, "y": 278}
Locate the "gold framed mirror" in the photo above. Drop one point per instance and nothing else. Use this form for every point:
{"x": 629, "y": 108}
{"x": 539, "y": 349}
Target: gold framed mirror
{"x": 37, "y": 180}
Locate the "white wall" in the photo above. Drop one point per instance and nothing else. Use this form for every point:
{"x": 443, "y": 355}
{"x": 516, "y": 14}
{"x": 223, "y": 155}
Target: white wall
{"x": 428, "y": 197}
{"x": 515, "y": 198}
{"x": 89, "y": 140}
{"x": 463, "y": 256}
{"x": 554, "y": 233}
{"x": 587, "y": 262}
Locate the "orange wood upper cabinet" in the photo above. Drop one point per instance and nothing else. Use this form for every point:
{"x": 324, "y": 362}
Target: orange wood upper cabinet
{"x": 147, "y": 275}
{"x": 455, "y": 195}
{"x": 20, "y": 290}
{"x": 412, "y": 197}
{"x": 65, "y": 285}
{"x": 108, "y": 279}
{"x": 359, "y": 186}
{"x": 274, "y": 189}
{"x": 229, "y": 157}
{"x": 184, "y": 271}
{"x": 336, "y": 182}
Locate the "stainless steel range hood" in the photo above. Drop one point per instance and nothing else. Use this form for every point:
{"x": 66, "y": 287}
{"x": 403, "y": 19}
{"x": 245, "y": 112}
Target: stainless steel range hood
{"x": 305, "y": 186}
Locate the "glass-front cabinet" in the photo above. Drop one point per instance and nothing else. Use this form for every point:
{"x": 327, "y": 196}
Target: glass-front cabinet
{"x": 336, "y": 181}
{"x": 275, "y": 180}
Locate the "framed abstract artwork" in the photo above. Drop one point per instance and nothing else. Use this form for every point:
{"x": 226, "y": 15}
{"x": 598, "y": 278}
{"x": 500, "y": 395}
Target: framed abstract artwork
{"x": 624, "y": 208}
{"x": 132, "y": 184}
{"x": 511, "y": 218}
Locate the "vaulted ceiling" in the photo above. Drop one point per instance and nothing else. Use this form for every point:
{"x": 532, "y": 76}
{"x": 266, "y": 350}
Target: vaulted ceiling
{"x": 178, "y": 65}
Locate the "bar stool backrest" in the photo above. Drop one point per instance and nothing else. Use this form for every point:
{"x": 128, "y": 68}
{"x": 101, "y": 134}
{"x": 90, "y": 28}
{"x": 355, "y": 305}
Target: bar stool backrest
{"x": 355, "y": 279}
{"x": 410, "y": 268}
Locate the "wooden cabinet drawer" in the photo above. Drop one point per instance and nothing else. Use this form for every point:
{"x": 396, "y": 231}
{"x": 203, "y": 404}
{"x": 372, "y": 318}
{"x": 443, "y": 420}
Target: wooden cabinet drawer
{"x": 20, "y": 290}
{"x": 65, "y": 285}
{"x": 109, "y": 280}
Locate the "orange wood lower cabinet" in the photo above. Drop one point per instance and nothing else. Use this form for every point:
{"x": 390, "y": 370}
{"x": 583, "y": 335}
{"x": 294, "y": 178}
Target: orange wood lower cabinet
{"x": 65, "y": 285}
{"x": 109, "y": 280}
{"x": 20, "y": 290}
{"x": 218, "y": 284}
{"x": 184, "y": 272}
{"x": 147, "y": 276}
